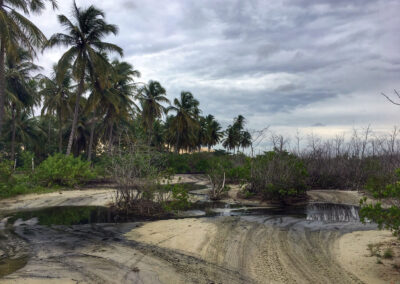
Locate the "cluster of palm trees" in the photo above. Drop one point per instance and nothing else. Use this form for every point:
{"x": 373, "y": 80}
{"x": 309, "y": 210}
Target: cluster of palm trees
{"x": 236, "y": 136}
{"x": 89, "y": 101}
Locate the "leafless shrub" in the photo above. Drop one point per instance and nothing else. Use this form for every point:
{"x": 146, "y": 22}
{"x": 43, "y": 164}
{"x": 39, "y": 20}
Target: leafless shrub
{"x": 137, "y": 171}
{"x": 217, "y": 186}
{"x": 351, "y": 164}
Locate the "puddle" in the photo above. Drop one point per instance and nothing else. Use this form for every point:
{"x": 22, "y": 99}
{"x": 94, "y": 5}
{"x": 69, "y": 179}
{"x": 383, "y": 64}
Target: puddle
{"x": 9, "y": 265}
{"x": 324, "y": 212}
{"x": 69, "y": 215}
{"x": 79, "y": 215}
{"x": 328, "y": 212}
{"x": 193, "y": 186}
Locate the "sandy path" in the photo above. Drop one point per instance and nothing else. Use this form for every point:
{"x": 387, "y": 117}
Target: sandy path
{"x": 87, "y": 197}
{"x": 98, "y": 254}
{"x": 262, "y": 251}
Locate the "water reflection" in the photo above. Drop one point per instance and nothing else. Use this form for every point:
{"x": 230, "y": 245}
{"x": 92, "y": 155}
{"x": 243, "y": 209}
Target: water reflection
{"x": 78, "y": 215}
{"x": 328, "y": 212}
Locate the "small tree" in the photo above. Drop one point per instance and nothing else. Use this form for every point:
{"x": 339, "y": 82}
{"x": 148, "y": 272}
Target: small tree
{"x": 216, "y": 174}
{"x": 386, "y": 218}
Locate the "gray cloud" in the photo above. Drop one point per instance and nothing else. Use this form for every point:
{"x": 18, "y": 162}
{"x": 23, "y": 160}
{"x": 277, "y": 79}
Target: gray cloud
{"x": 285, "y": 62}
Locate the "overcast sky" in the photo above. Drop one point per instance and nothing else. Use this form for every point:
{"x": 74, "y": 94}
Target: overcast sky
{"x": 293, "y": 64}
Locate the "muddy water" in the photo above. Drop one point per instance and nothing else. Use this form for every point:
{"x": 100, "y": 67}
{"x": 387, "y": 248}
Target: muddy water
{"x": 9, "y": 265}
{"x": 79, "y": 215}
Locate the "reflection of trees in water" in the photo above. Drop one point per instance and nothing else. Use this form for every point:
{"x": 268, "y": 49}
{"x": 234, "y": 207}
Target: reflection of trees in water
{"x": 68, "y": 215}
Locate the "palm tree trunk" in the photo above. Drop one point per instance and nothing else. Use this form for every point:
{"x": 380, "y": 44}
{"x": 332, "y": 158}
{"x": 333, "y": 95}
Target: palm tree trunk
{"x": 13, "y": 133}
{"x": 59, "y": 132}
{"x": 76, "y": 112}
{"x": 110, "y": 136}
{"x": 2, "y": 81}
{"x": 48, "y": 137}
{"x": 150, "y": 135}
{"x": 177, "y": 143}
{"x": 92, "y": 126}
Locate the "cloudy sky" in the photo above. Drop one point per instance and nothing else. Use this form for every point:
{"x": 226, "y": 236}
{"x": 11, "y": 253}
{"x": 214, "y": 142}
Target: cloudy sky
{"x": 292, "y": 64}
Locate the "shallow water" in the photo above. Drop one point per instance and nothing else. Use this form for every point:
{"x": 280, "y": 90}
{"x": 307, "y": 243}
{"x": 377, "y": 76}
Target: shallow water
{"x": 9, "y": 265}
{"x": 79, "y": 215}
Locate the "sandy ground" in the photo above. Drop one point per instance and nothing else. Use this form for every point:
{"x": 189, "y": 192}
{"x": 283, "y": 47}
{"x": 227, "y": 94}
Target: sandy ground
{"x": 263, "y": 251}
{"x": 100, "y": 254}
{"x": 225, "y": 249}
{"x": 87, "y": 197}
{"x": 351, "y": 250}
{"x": 336, "y": 196}
{"x": 84, "y": 197}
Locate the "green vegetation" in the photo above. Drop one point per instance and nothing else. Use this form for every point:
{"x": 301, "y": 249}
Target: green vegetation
{"x": 54, "y": 172}
{"x": 386, "y": 217}
{"x": 388, "y": 253}
{"x": 63, "y": 171}
{"x": 278, "y": 176}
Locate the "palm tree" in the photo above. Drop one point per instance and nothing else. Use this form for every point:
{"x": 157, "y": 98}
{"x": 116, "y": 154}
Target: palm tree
{"x": 56, "y": 93}
{"x": 25, "y": 130}
{"x": 19, "y": 87}
{"x": 113, "y": 100}
{"x": 213, "y": 132}
{"x": 230, "y": 140}
{"x": 185, "y": 122}
{"x": 86, "y": 50}
{"x": 17, "y": 31}
{"x": 236, "y": 137}
{"x": 151, "y": 97}
{"x": 245, "y": 140}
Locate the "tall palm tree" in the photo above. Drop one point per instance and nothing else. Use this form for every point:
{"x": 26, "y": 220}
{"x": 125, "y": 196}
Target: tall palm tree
{"x": 17, "y": 31}
{"x": 86, "y": 50}
{"x": 185, "y": 122}
{"x": 236, "y": 137}
{"x": 230, "y": 139}
{"x": 151, "y": 98}
{"x": 112, "y": 100}
{"x": 56, "y": 93}
{"x": 245, "y": 140}
{"x": 19, "y": 88}
{"x": 213, "y": 131}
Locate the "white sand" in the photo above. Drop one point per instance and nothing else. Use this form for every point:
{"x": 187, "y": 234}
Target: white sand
{"x": 351, "y": 250}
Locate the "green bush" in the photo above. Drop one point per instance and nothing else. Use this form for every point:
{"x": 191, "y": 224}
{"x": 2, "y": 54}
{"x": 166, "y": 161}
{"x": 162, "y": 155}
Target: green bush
{"x": 180, "y": 198}
{"x": 63, "y": 170}
{"x": 388, "y": 218}
{"x": 237, "y": 167}
{"x": 388, "y": 253}
{"x": 7, "y": 179}
{"x": 26, "y": 161}
{"x": 6, "y": 171}
{"x": 278, "y": 176}
{"x": 102, "y": 166}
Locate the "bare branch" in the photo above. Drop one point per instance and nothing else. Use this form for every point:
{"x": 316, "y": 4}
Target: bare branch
{"x": 390, "y": 100}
